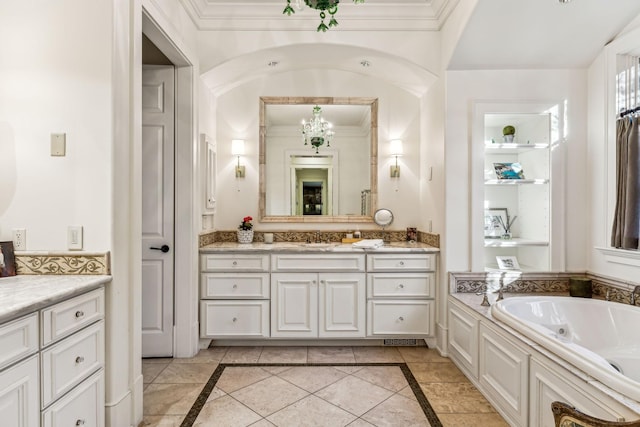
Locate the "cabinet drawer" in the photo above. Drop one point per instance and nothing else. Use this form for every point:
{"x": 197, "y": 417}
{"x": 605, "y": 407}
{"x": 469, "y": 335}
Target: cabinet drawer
{"x": 234, "y": 318}
{"x": 83, "y": 406}
{"x": 318, "y": 263}
{"x": 18, "y": 339}
{"x": 404, "y": 262}
{"x": 231, "y": 262}
{"x": 396, "y": 285}
{"x": 234, "y": 285}
{"x": 395, "y": 317}
{"x": 69, "y": 362}
{"x": 69, "y": 316}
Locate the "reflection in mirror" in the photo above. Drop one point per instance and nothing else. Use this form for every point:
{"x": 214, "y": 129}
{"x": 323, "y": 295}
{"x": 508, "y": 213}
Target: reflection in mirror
{"x": 319, "y": 183}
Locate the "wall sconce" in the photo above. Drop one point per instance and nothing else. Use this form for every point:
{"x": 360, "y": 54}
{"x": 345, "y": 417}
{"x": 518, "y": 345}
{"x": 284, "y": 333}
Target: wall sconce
{"x": 237, "y": 149}
{"x": 396, "y": 150}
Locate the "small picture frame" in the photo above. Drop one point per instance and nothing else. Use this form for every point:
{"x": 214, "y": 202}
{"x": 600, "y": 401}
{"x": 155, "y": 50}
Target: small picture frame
{"x": 7, "y": 259}
{"x": 494, "y": 218}
{"x": 508, "y": 170}
{"x": 508, "y": 263}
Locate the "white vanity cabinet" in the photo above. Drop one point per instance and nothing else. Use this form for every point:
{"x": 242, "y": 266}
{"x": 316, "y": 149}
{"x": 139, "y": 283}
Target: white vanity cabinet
{"x": 234, "y": 295}
{"x": 400, "y": 295}
{"x": 52, "y": 361}
{"x": 318, "y": 296}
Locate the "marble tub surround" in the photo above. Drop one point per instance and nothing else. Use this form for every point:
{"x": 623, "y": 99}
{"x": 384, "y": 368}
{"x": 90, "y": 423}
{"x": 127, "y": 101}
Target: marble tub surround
{"x": 20, "y": 295}
{"x": 90, "y": 263}
{"x": 299, "y": 236}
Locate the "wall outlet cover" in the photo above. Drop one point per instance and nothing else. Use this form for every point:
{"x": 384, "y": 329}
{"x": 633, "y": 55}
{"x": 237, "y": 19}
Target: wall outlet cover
{"x": 20, "y": 239}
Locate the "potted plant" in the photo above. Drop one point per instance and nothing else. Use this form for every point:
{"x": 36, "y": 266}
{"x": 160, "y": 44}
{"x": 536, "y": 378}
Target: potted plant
{"x": 507, "y": 133}
{"x": 245, "y": 230}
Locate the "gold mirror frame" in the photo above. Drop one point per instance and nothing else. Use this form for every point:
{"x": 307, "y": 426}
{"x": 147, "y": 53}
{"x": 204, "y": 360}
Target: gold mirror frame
{"x": 373, "y": 171}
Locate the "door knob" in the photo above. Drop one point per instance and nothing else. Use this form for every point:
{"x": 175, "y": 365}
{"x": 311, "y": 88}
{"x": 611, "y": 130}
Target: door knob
{"x": 163, "y": 248}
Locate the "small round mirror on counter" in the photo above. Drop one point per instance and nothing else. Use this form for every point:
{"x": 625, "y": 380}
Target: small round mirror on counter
{"x": 383, "y": 217}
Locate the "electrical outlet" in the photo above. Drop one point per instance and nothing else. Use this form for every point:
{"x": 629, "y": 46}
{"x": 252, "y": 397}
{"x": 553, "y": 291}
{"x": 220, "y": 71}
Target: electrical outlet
{"x": 74, "y": 237}
{"x": 20, "y": 239}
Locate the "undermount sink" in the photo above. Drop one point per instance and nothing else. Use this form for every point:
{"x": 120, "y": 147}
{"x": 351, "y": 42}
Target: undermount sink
{"x": 319, "y": 245}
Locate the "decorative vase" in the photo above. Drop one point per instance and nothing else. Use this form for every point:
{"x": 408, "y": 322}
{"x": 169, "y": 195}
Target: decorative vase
{"x": 245, "y": 236}
{"x": 508, "y": 139}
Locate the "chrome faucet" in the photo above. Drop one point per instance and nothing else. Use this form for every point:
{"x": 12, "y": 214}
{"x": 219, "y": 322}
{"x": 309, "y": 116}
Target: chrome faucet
{"x": 318, "y": 237}
{"x": 636, "y": 291}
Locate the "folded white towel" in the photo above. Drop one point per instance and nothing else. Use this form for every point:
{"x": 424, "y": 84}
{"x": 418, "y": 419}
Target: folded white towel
{"x": 368, "y": 243}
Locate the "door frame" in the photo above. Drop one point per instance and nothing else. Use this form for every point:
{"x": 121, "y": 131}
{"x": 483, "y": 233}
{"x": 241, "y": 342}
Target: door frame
{"x": 185, "y": 340}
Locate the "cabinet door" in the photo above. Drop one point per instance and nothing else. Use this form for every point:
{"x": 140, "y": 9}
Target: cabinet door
{"x": 503, "y": 372}
{"x": 549, "y": 382}
{"x": 463, "y": 339}
{"x": 19, "y": 395}
{"x": 342, "y": 305}
{"x": 294, "y": 305}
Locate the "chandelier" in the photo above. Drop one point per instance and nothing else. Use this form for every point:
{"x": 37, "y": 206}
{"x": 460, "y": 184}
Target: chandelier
{"x": 317, "y": 131}
{"x": 323, "y": 6}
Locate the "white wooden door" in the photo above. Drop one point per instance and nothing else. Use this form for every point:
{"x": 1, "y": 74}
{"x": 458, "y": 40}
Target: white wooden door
{"x": 342, "y": 305}
{"x": 294, "y": 305}
{"x": 158, "y": 140}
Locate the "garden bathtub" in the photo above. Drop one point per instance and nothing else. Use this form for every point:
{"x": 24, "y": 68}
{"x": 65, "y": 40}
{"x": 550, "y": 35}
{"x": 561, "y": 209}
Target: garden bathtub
{"x": 601, "y": 338}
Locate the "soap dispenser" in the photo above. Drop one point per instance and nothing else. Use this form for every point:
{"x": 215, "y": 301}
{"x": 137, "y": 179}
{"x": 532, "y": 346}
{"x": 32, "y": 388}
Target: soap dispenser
{"x": 356, "y": 234}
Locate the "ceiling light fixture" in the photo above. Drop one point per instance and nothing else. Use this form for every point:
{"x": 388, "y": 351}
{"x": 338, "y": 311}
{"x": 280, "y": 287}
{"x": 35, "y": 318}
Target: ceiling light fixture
{"x": 330, "y": 6}
{"x": 317, "y": 131}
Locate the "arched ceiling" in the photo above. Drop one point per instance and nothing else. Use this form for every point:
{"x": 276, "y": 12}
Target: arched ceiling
{"x": 397, "y": 71}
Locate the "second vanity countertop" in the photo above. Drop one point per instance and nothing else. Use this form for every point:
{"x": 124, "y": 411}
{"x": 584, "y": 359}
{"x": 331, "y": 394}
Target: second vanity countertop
{"x": 331, "y": 247}
{"x": 23, "y": 294}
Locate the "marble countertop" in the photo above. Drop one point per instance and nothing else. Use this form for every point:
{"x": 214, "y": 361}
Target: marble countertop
{"x": 23, "y": 294}
{"x": 331, "y": 247}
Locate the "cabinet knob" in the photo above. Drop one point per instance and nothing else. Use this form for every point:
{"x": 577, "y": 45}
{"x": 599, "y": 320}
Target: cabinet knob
{"x": 322, "y": 282}
{"x": 235, "y": 319}
{"x": 235, "y": 263}
{"x": 401, "y": 262}
{"x": 401, "y": 319}
{"x": 314, "y": 282}
{"x": 235, "y": 286}
{"x": 401, "y": 286}
{"x": 79, "y": 359}
{"x": 79, "y": 314}
{"x": 80, "y": 422}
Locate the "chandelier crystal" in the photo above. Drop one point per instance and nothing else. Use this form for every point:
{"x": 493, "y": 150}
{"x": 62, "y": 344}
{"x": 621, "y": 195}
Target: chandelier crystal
{"x": 324, "y": 6}
{"x": 316, "y": 131}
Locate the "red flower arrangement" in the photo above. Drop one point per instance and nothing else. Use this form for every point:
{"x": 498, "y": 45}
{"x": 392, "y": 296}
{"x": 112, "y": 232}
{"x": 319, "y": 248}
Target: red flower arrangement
{"x": 246, "y": 223}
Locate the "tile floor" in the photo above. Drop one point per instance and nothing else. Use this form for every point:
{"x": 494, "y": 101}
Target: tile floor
{"x": 320, "y": 395}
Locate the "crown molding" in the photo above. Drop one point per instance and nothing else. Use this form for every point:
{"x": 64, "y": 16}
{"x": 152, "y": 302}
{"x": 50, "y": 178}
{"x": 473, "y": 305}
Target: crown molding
{"x": 373, "y": 15}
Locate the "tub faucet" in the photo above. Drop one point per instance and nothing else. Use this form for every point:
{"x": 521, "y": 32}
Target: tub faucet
{"x": 636, "y": 291}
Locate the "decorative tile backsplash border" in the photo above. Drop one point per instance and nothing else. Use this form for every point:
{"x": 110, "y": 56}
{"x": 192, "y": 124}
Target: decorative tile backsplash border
{"x": 208, "y": 238}
{"x": 63, "y": 263}
{"x": 618, "y": 290}
{"x": 525, "y": 282}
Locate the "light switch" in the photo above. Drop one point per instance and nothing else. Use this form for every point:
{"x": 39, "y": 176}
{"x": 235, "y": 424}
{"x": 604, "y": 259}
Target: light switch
{"x": 74, "y": 237}
{"x": 58, "y": 144}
